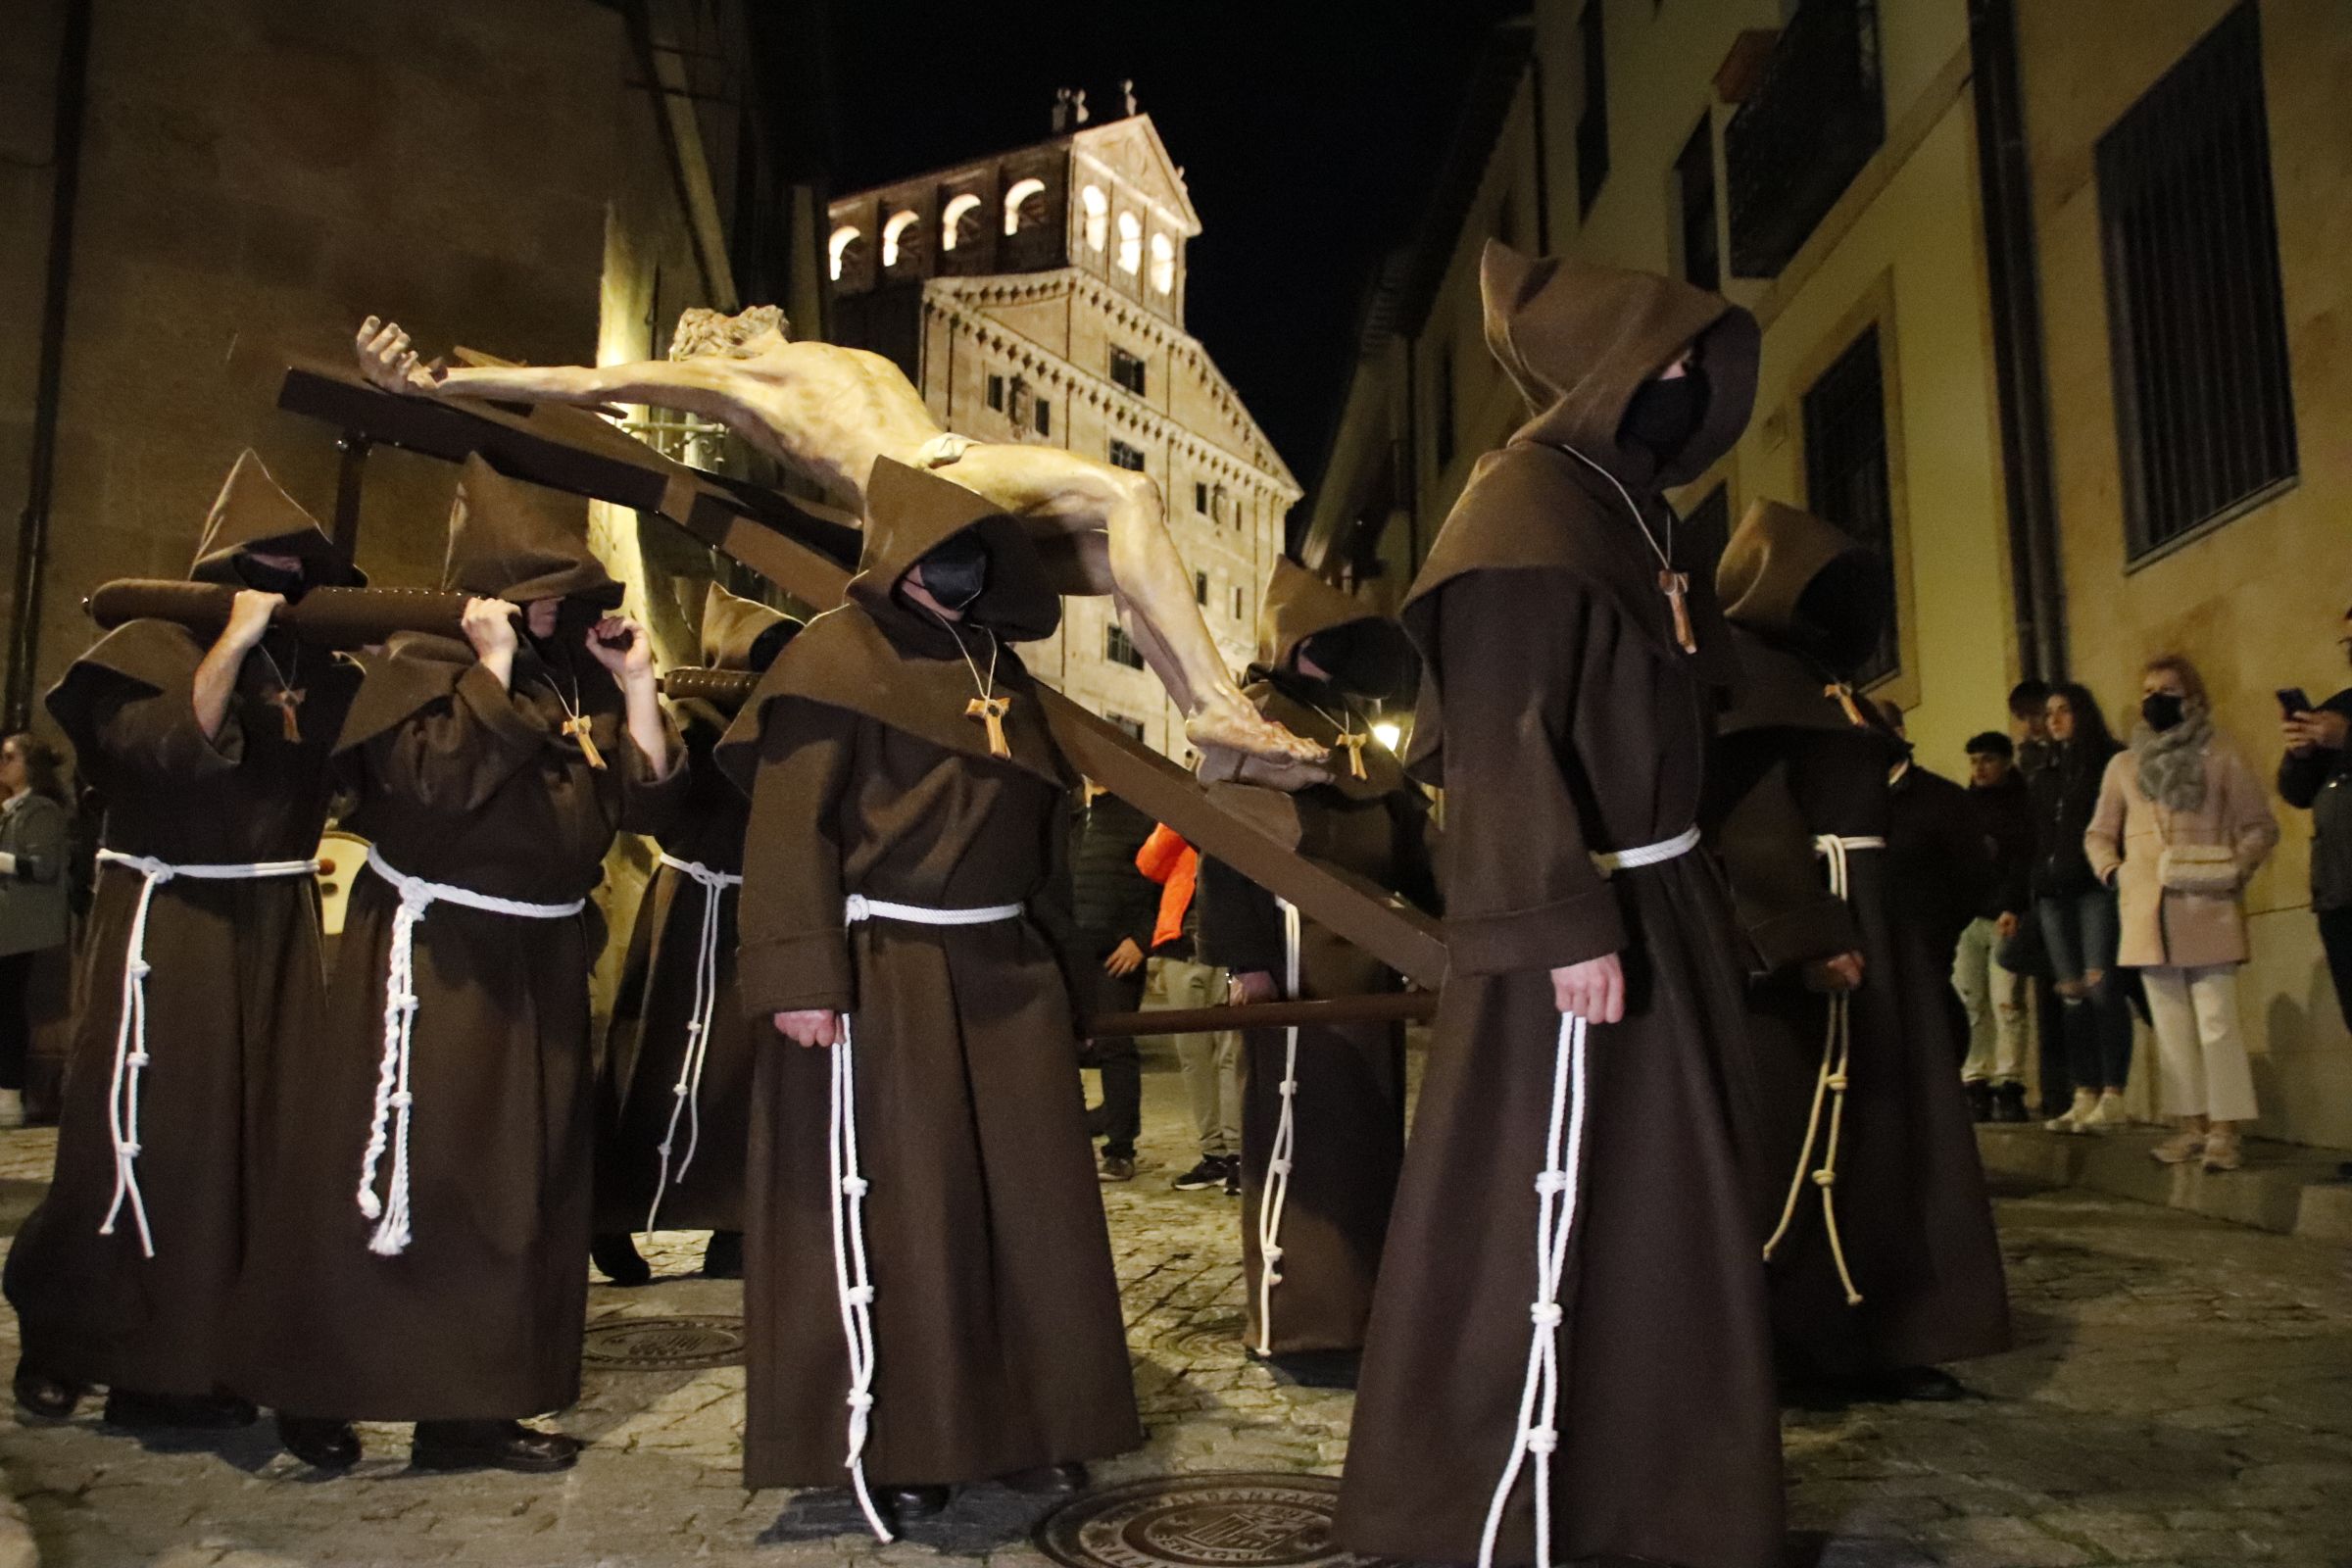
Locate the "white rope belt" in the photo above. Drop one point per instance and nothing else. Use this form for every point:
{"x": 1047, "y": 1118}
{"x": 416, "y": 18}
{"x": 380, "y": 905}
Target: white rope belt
{"x": 1271, "y": 1202}
{"x": 130, "y": 1027}
{"x": 394, "y": 1103}
{"x": 686, "y": 1094}
{"x": 852, "y": 1278}
{"x": 1837, "y": 1066}
{"x": 1557, "y": 1189}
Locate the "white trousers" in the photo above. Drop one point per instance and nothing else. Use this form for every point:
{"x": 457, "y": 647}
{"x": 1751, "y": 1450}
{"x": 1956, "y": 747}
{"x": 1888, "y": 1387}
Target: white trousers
{"x": 1995, "y": 998}
{"x": 2201, "y": 1066}
{"x": 1212, "y": 1063}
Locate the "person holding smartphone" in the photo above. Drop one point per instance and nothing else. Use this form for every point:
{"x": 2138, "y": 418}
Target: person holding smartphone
{"x": 2313, "y": 777}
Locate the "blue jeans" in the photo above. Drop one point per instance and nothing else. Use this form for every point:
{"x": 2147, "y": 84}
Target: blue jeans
{"x": 2081, "y": 932}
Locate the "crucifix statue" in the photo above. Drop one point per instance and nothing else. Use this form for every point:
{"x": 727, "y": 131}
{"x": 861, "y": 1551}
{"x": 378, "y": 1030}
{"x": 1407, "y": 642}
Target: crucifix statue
{"x": 828, "y": 411}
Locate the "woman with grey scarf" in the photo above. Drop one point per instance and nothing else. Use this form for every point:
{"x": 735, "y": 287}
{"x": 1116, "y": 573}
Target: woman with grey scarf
{"x": 2181, "y": 825}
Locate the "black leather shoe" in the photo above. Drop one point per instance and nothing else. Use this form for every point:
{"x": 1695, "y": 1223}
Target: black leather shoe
{"x": 907, "y": 1506}
{"x": 722, "y": 1255}
{"x": 40, "y": 1395}
{"x": 320, "y": 1442}
{"x": 193, "y": 1412}
{"x": 2009, "y": 1102}
{"x": 1980, "y": 1100}
{"x": 1929, "y": 1383}
{"x": 491, "y": 1445}
{"x": 1048, "y": 1480}
{"x": 616, "y": 1253}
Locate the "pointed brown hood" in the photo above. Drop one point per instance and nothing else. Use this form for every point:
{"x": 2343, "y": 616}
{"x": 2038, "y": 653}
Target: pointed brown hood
{"x": 740, "y": 633}
{"x": 1578, "y": 339}
{"x": 1365, "y": 652}
{"x": 912, "y": 511}
{"x": 251, "y": 513}
{"x": 1797, "y": 582}
{"x": 520, "y": 542}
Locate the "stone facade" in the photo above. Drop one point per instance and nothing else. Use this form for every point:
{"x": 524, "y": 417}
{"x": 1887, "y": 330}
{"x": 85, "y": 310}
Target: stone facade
{"x": 1057, "y": 319}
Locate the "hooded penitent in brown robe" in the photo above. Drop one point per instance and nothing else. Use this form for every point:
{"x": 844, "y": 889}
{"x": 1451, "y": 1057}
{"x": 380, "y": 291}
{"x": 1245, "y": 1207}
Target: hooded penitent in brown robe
{"x": 998, "y": 1344}
{"x": 1794, "y": 764}
{"x": 474, "y": 785}
{"x": 1565, "y": 718}
{"x": 678, "y": 988}
{"x": 234, "y": 974}
{"x": 1327, "y": 1215}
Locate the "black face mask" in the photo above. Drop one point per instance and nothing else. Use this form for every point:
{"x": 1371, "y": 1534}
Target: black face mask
{"x": 956, "y": 571}
{"x": 266, "y": 578}
{"x": 2162, "y": 709}
{"x": 1664, "y": 415}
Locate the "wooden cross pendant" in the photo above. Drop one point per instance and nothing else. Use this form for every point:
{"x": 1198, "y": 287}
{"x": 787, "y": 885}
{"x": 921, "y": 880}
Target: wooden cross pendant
{"x": 1676, "y": 586}
{"x": 1354, "y": 745}
{"x": 991, "y": 710}
{"x": 578, "y": 727}
{"x": 285, "y": 700}
{"x": 1845, "y": 700}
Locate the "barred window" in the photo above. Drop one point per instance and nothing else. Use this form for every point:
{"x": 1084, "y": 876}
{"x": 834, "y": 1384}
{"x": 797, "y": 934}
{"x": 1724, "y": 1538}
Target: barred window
{"x": 1124, "y": 455}
{"x": 1846, "y": 473}
{"x": 1045, "y": 416}
{"x": 1127, "y": 370}
{"x": 1119, "y": 648}
{"x": 1132, "y": 727}
{"x": 995, "y": 392}
{"x": 2204, "y": 412}
{"x": 1200, "y": 495}
{"x": 1200, "y": 587}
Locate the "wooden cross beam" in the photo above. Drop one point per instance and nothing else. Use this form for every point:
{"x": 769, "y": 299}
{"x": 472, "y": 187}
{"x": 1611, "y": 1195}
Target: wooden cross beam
{"x": 811, "y": 558}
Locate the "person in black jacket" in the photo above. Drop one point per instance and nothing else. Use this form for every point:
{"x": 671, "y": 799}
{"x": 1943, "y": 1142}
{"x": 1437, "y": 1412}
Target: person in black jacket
{"x": 2079, "y": 922}
{"x": 2312, "y": 776}
{"x": 1994, "y": 994}
{"x": 1114, "y": 907}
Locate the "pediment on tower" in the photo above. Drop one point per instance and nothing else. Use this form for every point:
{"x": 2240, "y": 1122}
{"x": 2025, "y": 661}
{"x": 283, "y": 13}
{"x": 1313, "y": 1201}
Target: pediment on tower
{"x": 1131, "y": 149}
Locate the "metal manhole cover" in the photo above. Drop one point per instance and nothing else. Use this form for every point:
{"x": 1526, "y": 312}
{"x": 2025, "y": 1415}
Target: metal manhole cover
{"x": 664, "y": 1344}
{"x": 1202, "y": 1521}
{"x": 1218, "y": 1339}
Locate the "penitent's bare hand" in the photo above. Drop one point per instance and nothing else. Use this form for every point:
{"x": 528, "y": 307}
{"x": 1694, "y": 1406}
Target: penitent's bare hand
{"x": 249, "y": 615}
{"x": 1841, "y": 973}
{"x": 489, "y": 625}
{"x": 620, "y": 645}
{"x": 1594, "y": 990}
{"x": 810, "y": 1026}
{"x": 387, "y": 360}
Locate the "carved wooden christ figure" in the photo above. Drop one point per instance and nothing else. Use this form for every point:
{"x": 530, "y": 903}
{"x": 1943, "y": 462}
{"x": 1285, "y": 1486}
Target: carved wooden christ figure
{"x": 829, "y": 412}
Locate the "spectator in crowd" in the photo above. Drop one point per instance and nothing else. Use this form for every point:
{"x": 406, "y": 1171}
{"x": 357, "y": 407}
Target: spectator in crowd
{"x": 1940, "y": 866}
{"x": 2312, "y": 777}
{"x": 1212, "y": 1062}
{"x": 1113, "y": 909}
{"x": 2030, "y": 724}
{"x": 1994, "y": 994}
{"x": 2078, "y": 912}
{"x": 33, "y": 897}
{"x": 2180, "y": 828}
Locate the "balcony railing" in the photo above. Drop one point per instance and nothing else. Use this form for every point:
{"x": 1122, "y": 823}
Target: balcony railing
{"x": 1816, "y": 116}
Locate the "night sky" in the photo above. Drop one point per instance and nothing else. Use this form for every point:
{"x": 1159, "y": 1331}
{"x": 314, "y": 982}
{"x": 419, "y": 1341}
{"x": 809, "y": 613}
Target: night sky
{"x": 1308, "y": 130}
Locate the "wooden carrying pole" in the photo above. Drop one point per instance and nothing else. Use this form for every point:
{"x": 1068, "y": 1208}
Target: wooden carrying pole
{"x": 1383, "y": 1008}
{"x": 809, "y": 557}
{"x": 333, "y": 617}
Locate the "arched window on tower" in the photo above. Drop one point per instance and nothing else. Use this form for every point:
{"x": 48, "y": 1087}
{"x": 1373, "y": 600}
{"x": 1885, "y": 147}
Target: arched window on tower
{"x": 1163, "y": 264}
{"x": 1131, "y": 244}
{"x": 892, "y": 233}
{"x": 1018, "y": 198}
{"x": 950, "y": 220}
{"x": 835, "y": 248}
{"x": 1098, "y": 217}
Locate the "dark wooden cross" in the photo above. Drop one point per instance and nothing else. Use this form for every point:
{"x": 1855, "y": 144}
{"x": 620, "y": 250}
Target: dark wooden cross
{"x": 286, "y": 699}
{"x": 991, "y": 710}
{"x": 579, "y": 726}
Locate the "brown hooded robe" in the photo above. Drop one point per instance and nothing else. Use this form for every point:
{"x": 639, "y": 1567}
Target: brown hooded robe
{"x": 1000, "y": 1344}
{"x": 645, "y": 1044}
{"x": 464, "y": 782}
{"x": 1562, "y": 718}
{"x": 1348, "y": 1108}
{"x": 1793, "y": 763}
{"x": 235, "y": 976}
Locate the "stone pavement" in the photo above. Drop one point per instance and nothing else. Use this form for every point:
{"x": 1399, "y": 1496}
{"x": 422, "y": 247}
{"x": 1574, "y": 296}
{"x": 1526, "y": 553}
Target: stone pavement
{"x": 2182, "y": 1394}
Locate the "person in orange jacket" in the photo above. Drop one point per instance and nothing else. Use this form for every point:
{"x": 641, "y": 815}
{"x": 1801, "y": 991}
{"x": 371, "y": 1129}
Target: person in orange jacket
{"x": 1211, "y": 1063}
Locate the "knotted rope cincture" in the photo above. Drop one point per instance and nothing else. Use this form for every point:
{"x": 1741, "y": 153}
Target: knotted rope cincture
{"x": 1837, "y": 1064}
{"x": 132, "y": 1056}
{"x": 686, "y": 1094}
{"x": 853, "y": 1279}
{"x": 394, "y": 1101}
{"x": 1558, "y": 1190}
{"x": 1279, "y": 1158}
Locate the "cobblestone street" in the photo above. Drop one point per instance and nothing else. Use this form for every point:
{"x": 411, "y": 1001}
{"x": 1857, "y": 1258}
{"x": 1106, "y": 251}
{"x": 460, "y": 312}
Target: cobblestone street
{"x": 2183, "y": 1394}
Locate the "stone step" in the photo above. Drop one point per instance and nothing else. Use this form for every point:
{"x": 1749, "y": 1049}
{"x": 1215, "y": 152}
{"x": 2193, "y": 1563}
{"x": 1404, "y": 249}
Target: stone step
{"x": 2291, "y": 1188}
